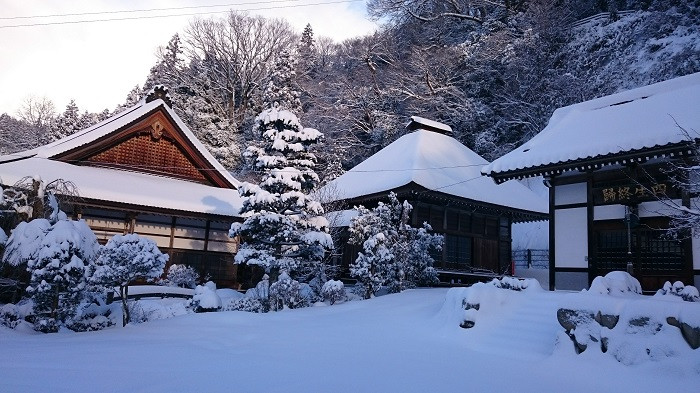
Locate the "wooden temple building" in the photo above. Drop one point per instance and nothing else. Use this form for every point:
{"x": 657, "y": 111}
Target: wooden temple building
{"x": 610, "y": 164}
{"x": 143, "y": 171}
{"x": 441, "y": 179}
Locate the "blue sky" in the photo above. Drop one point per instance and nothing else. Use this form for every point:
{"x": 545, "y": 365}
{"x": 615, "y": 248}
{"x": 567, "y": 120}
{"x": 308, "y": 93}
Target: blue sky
{"x": 98, "y": 63}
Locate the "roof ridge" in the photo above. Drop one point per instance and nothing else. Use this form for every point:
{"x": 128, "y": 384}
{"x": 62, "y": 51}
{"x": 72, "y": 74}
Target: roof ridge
{"x": 86, "y": 131}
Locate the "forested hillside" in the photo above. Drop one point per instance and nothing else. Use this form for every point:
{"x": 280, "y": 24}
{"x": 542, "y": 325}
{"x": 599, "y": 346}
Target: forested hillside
{"x": 494, "y": 71}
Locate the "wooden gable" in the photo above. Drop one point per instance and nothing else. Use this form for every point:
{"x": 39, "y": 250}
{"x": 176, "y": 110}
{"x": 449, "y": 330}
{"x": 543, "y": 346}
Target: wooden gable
{"x": 153, "y": 144}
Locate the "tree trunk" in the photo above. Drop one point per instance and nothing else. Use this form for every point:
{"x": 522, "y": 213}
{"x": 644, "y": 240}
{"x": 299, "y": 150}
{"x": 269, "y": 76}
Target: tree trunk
{"x": 124, "y": 291}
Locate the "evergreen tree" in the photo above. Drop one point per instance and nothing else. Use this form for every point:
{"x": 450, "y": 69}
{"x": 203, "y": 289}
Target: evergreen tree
{"x": 65, "y": 124}
{"x": 284, "y": 226}
{"x": 166, "y": 71}
{"x": 133, "y": 98}
{"x": 393, "y": 253}
{"x": 281, "y": 90}
{"x": 125, "y": 259}
{"x": 307, "y": 57}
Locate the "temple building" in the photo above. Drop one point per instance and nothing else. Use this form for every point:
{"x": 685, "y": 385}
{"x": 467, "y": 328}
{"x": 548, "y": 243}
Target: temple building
{"x": 441, "y": 179}
{"x": 143, "y": 171}
{"x": 612, "y": 165}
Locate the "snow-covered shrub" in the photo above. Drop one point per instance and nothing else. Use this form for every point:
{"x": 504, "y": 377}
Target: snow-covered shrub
{"x": 57, "y": 282}
{"x": 180, "y": 276}
{"x": 686, "y": 292}
{"x": 137, "y": 314}
{"x": 515, "y": 284}
{"x": 24, "y": 241}
{"x": 333, "y": 291}
{"x": 9, "y": 316}
{"x": 248, "y": 304}
{"x": 393, "y": 253}
{"x": 124, "y": 259}
{"x": 92, "y": 318}
{"x": 285, "y": 293}
{"x": 616, "y": 283}
{"x": 205, "y": 298}
{"x": 22, "y": 245}
{"x": 261, "y": 292}
{"x": 307, "y": 295}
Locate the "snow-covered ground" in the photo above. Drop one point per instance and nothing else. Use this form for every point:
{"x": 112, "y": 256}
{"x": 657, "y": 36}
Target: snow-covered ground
{"x": 408, "y": 342}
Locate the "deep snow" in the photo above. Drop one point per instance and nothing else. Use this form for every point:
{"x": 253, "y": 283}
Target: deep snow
{"x": 407, "y": 342}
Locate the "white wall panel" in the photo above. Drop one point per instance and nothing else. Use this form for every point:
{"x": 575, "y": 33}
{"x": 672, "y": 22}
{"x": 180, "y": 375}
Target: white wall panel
{"x": 104, "y": 223}
{"x": 231, "y": 246}
{"x": 571, "y": 238}
{"x": 188, "y": 244}
{"x": 219, "y": 235}
{"x": 161, "y": 241}
{"x": 609, "y": 212}
{"x": 199, "y": 233}
{"x": 570, "y": 193}
{"x": 656, "y": 208}
{"x": 152, "y": 229}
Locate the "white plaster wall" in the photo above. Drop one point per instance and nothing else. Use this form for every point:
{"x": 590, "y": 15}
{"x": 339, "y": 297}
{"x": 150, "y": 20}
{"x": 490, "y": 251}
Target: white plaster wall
{"x": 571, "y": 237}
{"x": 656, "y": 208}
{"x": 609, "y": 212}
{"x": 696, "y": 251}
{"x": 570, "y": 193}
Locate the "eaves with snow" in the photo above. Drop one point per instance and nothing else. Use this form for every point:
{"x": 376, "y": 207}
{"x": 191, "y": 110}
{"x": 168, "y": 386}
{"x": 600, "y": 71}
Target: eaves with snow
{"x": 436, "y": 163}
{"x": 630, "y": 126}
{"x": 102, "y": 174}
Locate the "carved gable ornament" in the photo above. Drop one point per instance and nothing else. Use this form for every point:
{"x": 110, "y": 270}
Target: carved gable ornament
{"x": 156, "y": 130}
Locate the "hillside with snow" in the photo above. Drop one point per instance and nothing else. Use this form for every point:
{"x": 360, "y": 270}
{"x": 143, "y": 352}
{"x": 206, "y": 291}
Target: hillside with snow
{"x": 637, "y": 49}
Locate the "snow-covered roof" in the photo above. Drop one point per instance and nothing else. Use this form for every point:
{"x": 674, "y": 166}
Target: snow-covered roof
{"x": 341, "y": 218}
{"x": 438, "y": 163}
{"x": 123, "y": 186}
{"x": 116, "y": 123}
{"x": 633, "y": 121}
{"x": 420, "y": 122}
{"x": 113, "y": 185}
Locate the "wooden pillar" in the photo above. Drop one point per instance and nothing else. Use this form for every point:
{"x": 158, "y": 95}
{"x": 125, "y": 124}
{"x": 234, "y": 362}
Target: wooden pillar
{"x": 172, "y": 232}
{"x": 552, "y": 240}
{"x": 590, "y": 217}
{"x": 206, "y": 234}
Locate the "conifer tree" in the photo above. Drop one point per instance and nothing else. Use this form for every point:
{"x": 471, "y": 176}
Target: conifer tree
{"x": 65, "y": 124}
{"x": 307, "y": 57}
{"x": 284, "y": 226}
{"x": 281, "y": 90}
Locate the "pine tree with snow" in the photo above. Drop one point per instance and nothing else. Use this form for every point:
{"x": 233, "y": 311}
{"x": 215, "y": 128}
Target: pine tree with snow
{"x": 284, "y": 227}
{"x": 124, "y": 259}
{"x": 58, "y": 283}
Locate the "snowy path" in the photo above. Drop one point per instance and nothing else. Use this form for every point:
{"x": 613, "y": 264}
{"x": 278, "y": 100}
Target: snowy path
{"x": 529, "y": 330}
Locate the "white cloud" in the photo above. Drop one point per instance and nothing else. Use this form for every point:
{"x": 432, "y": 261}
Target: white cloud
{"x": 98, "y": 63}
